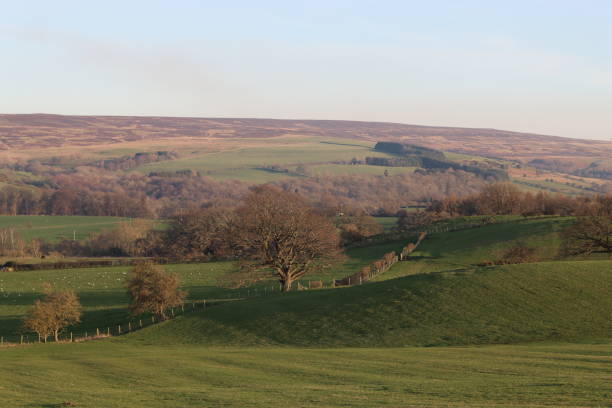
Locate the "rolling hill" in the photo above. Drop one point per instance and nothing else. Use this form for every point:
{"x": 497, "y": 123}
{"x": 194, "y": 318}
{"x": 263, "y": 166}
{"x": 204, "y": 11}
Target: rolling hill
{"x": 555, "y": 301}
{"x": 52, "y": 131}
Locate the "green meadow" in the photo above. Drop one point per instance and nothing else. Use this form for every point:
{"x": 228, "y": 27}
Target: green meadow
{"x": 126, "y": 375}
{"x": 438, "y": 330}
{"x": 249, "y": 163}
{"x": 57, "y": 227}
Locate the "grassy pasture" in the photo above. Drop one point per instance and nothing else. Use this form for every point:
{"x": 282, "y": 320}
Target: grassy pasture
{"x": 245, "y": 163}
{"x": 549, "y": 301}
{"x": 118, "y": 374}
{"x": 358, "y": 170}
{"x": 57, "y": 227}
{"x": 340, "y": 347}
{"x": 388, "y": 223}
{"x": 102, "y": 290}
{"x": 462, "y": 249}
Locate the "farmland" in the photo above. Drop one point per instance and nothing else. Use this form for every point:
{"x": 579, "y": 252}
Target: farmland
{"x": 500, "y": 334}
{"x": 56, "y": 228}
{"x": 102, "y": 290}
{"x": 128, "y": 375}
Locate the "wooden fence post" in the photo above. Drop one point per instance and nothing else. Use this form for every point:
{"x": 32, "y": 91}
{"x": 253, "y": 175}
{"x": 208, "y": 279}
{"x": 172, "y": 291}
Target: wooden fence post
{"x": 21, "y": 339}
{"x": 108, "y": 331}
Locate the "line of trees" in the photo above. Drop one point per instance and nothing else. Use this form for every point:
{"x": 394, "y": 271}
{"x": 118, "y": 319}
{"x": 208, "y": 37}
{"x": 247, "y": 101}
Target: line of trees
{"x": 507, "y": 199}
{"x": 90, "y": 192}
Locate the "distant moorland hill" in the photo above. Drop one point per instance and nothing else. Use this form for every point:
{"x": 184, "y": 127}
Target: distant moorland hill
{"x": 30, "y": 131}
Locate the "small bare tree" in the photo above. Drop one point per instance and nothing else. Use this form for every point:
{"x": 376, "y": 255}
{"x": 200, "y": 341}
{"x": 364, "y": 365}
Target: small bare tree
{"x": 56, "y": 311}
{"x": 152, "y": 290}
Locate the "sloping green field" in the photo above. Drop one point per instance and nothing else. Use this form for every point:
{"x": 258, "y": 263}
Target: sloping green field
{"x": 565, "y": 301}
{"x": 248, "y": 163}
{"x": 101, "y": 291}
{"x": 457, "y": 250}
{"x": 103, "y": 295}
{"x": 344, "y": 347}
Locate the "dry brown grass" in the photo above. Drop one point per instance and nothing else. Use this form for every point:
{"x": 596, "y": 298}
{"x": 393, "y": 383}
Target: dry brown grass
{"x": 56, "y": 134}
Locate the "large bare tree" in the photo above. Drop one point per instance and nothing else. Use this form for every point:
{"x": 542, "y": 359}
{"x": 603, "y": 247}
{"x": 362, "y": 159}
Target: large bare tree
{"x": 588, "y": 235}
{"x": 277, "y": 230}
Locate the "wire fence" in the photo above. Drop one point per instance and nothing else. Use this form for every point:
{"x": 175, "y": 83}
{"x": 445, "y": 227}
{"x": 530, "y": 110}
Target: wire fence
{"x": 141, "y": 322}
{"x": 366, "y": 274}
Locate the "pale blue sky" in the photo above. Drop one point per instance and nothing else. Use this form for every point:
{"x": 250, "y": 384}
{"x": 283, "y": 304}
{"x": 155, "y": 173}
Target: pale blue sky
{"x": 540, "y": 65}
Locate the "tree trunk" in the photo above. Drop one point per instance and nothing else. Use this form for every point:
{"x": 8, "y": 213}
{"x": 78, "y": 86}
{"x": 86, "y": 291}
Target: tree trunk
{"x": 286, "y": 284}
{"x": 56, "y": 335}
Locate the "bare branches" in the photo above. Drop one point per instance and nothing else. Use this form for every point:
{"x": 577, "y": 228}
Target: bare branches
{"x": 278, "y": 230}
{"x": 152, "y": 290}
{"x": 57, "y": 310}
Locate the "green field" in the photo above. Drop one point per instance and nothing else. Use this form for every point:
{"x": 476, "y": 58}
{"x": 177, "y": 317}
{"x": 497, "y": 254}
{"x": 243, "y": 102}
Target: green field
{"x": 527, "y": 335}
{"x": 122, "y": 374}
{"x": 103, "y": 296}
{"x": 57, "y": 227}
{"x": 564, "y": 301}
{"x": 247, "y": 163}
{"x": 457, "y": 250}
{"x": 359, "y": 169}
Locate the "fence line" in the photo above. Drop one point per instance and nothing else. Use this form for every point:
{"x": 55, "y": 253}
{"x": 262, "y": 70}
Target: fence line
{"x": 366, "y": 274}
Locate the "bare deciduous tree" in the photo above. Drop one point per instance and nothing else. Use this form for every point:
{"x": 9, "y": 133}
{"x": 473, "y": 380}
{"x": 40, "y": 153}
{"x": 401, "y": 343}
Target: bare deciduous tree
{"x": 588, "y": 235}
{"x": 278, "y": 230}
{"x": 57, "y": 310}
{"x": 197, "y": 234}
{"x": 152, "y": 290}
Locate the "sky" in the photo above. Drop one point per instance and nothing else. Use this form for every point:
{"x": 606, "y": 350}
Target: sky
{"x": 542, "y": 66}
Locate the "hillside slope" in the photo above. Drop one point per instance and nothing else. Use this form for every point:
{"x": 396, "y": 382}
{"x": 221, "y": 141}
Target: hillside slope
{"x": 519, "y": 303}
{"x": 52, "y": 131}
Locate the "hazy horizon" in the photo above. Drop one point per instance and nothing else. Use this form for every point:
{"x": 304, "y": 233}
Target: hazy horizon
{"x": 540, "y": 67}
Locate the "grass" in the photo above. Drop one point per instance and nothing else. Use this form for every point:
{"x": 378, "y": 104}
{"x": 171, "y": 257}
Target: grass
{"x": 113, "y": 375}
{"x": 563, "y": 301}
{"x": 388, "y": 223}
{"x": 462, "y": 249}
{"x": 245, "y": 163}
{"x": 103, "y": 296}
{"x": 101, "y": 291}
{"x": 341, "y": 347}
{"x": 359, "y": 169}
{"x": 57, "y": 227}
